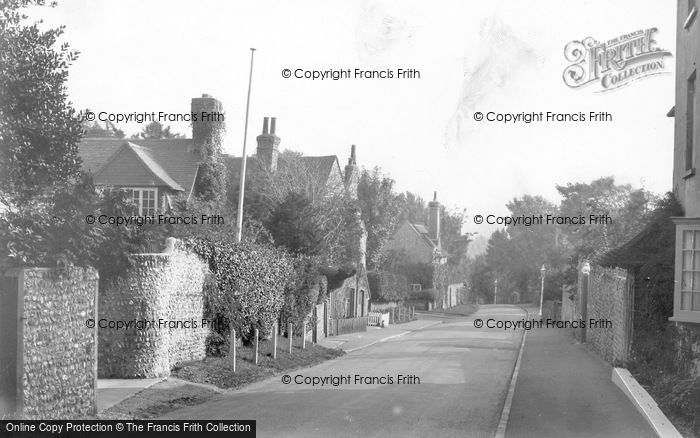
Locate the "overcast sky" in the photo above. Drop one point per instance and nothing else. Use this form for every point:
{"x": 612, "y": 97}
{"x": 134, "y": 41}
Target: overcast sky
{"x": 505, "y": 56}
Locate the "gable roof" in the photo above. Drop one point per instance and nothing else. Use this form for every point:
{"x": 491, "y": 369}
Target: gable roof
{"x": 320, "y": 168}
{"x": 422, "y": 231}
{"x": 120, "y": 162}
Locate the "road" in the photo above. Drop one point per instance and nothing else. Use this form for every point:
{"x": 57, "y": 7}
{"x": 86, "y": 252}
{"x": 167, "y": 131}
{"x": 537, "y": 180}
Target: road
{"x": 464, "y": 375}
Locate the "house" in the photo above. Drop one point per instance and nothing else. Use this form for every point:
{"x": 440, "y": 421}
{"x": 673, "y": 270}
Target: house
{"x": 348, "y": 295}
{"x": 417, "y": 253}
{"x": 420, "y": 243}
{"x": 666, "y": 253}
{"x": 686, "y": 153}
{"x": 154, "y": 172}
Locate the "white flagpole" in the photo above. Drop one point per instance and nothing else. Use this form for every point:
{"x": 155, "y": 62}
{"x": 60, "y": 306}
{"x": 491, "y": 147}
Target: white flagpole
{"x": 241, "y": 192}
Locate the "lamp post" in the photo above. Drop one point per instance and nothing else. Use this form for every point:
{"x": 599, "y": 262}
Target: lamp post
{"x": 585, "y": 270}
{"x": 495, "y": 291}
{"x": 542, "y": 273}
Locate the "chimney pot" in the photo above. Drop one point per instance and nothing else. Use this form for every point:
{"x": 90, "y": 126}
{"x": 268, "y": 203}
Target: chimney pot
{"x": 265, "y": 122}
{"x": 273, "y": 125}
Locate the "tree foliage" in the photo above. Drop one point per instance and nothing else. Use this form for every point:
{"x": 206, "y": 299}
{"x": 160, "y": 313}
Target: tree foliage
{"x": 380, "y": 208}
{"x": 39, "y": 129}
{"x": 156, "y": 131}
{"x": 305, "y": 288}
{"x": 387, "y": 286}
{"x": 516, "y": 254}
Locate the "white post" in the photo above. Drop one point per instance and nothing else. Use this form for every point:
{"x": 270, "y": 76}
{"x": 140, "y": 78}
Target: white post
{"x": 233, "y": 347}
{"x": 274, "y": 342}
{"x": 291, "y": 336}
{"x": 542, "y": 271}
{"x": 257, "y": 337}
{"x": 303, "y": 339}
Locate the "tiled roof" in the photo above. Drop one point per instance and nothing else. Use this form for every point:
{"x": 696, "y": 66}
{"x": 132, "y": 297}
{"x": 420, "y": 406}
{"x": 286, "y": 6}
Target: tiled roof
{"x": 170, "y": 162}
{"x": 422, "y": 230}
{"x": 320, "y": 167}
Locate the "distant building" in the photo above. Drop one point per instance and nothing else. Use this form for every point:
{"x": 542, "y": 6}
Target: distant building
{"x": 416, "y": 252}
{"x": 418, "y": 242}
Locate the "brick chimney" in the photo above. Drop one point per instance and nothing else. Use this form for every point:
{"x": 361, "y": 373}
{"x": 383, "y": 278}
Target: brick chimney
{"x": 268, "y": 144}
{"x": 352, "y": 173}
{"x": 209, "y": 124}
{"x": 434, "y": 219}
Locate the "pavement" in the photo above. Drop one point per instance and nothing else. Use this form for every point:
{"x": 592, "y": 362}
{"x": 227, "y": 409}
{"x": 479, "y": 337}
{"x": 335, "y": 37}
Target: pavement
{"x": 564, "y": 390}
{"x": 113, "y": 391}
{"x": 374, "y": 335}
{"x": 446, "y": 380}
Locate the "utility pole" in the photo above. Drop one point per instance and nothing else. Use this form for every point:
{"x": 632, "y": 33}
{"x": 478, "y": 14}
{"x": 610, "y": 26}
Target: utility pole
{"x": 241, "y": 190}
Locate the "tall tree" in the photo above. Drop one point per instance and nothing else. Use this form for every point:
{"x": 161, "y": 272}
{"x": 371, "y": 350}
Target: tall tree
{"x": 156, "y": 130}
{"x": 628, "y": 209}
{"x": 39, "y": 129}
{"x": 380, "y": 209}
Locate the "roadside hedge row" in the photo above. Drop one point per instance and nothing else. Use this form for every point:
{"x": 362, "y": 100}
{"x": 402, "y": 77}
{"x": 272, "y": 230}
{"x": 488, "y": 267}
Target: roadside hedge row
{"x": 387, "y": 286}
{"x": 250, "y": 283}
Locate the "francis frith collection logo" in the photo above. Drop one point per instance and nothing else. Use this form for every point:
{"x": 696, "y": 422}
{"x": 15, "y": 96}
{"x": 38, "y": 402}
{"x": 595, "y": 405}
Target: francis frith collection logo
{"x": 614, "y": 63}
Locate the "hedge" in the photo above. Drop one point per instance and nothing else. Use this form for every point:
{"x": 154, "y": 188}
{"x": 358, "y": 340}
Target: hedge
{"x": 387, "y": 286}
{"x": 250, "y": 283}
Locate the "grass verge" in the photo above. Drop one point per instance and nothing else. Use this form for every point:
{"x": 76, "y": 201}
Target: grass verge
{"x": 218, "y": 371}
{"x": 195, "y": 382}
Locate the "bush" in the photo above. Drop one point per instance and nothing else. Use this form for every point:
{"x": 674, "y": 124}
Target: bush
{"x": 52, "y": 230}
{"x": 250, "y": 283}
{"x": 306, "y": 288}
{"x": 424, "y": 295}
{"x": 387, "y": 286}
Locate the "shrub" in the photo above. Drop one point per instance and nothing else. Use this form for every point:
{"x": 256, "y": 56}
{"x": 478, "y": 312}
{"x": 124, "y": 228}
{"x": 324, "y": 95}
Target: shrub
{"x": 386, "y": 286}
{"x": 250, "y": 283}
{"x": 52, "y": 230}
{"x": 424, "y": 295}
{"x": 306, "y": 288}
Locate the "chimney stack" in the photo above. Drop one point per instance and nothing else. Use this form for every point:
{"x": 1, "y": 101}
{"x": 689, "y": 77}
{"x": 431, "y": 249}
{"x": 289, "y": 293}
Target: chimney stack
{"x": 268, "y": 145}
{"x": 207, "y": 129}
{"x": 352, "y": 174}
{"x": 434, "y": 219}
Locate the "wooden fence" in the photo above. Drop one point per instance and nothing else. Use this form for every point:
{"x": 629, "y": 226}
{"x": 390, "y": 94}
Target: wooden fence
{"x": 378, "y": 319}
{"x": 402, "y": 314}
{"x": 348, "y": 325}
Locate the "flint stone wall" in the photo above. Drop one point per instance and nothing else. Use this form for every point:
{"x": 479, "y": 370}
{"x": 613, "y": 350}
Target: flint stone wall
{"x": 57, "y": 348}
{"x": 156, "y": 287}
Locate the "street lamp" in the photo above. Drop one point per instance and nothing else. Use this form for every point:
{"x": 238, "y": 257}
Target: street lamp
{"x": 585, "y": 270}
{"x": 495, "y": 290}
{"x": 542, "y": 272}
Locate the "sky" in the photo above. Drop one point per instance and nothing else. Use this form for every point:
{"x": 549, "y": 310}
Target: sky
{"x": 506, "y": 56}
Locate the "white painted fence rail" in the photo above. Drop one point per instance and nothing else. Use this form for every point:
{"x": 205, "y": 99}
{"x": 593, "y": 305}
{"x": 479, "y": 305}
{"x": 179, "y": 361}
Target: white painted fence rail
{"x": 378, "y": 319}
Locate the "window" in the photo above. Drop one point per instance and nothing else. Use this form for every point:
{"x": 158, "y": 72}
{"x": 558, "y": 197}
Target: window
{"x": 415, "y": 287}
{"x": 689, "y": 121}
{"x": 687, "y": 284}
{"x": 144, "y": 199}
{"x": 690, "y": 270}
